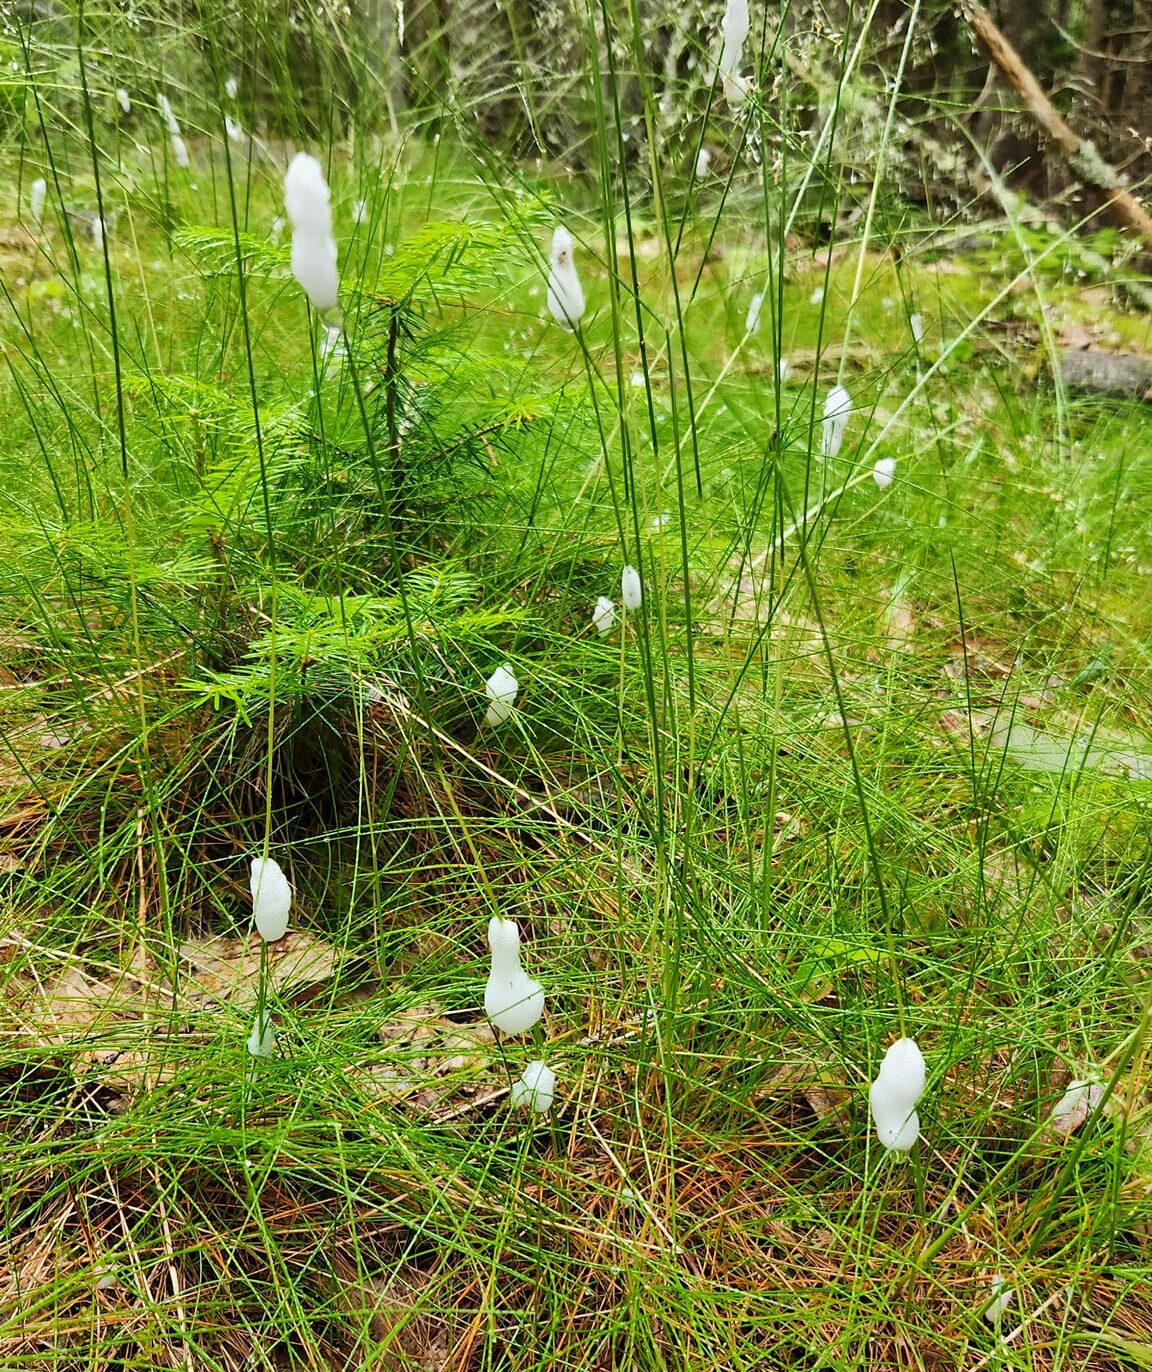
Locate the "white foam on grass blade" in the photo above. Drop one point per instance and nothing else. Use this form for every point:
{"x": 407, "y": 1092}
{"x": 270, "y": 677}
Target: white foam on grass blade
{"x": 501, "y": 688}
{"x": 513, "y": 1001}
{"x": 536, "y": 1089}
{"x": 565, "y": 294}
{"x": 894, "y": 1095}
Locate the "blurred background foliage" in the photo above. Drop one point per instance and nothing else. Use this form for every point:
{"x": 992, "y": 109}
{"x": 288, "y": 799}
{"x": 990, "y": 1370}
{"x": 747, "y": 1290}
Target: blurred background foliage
{"x": 525, "y": 77}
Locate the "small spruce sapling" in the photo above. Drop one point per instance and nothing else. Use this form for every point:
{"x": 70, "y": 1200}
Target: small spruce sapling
{"x": 565, "y": 295}
{"x": 895, "y": 1093}
{"x": 512, "y": 1000}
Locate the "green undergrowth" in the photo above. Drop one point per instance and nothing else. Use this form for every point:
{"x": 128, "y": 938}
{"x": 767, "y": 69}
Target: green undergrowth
{"x": 868, "y": 760}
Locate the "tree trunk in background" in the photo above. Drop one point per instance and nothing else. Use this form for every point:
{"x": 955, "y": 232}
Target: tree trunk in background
{"x": 425, "y": 51}
{"x": 511, "y": 69}
{"x": 1117, "y": 63}
{"x": 381, "y": 47}
{"x": 1102, "y": 181}
{"x": 518, "y": 71}
{"x": 1013, "y": 145}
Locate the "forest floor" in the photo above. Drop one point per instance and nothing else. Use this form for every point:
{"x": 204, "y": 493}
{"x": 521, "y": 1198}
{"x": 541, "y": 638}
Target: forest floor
{"x": 873, "y": 758}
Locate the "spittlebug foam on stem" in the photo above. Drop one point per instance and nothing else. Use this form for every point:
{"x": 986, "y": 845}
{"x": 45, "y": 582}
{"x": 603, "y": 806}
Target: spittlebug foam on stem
{"x": 512, "y": 1000}
{"x": 565, "y": 294}
{"x": 307, "y": 201}
{"x": 271, "y": 898}
{"x": 535, "y": 1090}
{"x": 895, "y": 1093}
{"x": 501, "y": 688}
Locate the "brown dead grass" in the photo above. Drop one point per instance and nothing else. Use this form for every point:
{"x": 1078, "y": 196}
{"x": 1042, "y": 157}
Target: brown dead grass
{"x": 745, "y": 1241}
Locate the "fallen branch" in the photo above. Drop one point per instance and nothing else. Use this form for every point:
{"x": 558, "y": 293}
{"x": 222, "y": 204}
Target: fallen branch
{"x": 1098, "y": 373}
{"x": 1080, "y": 153}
